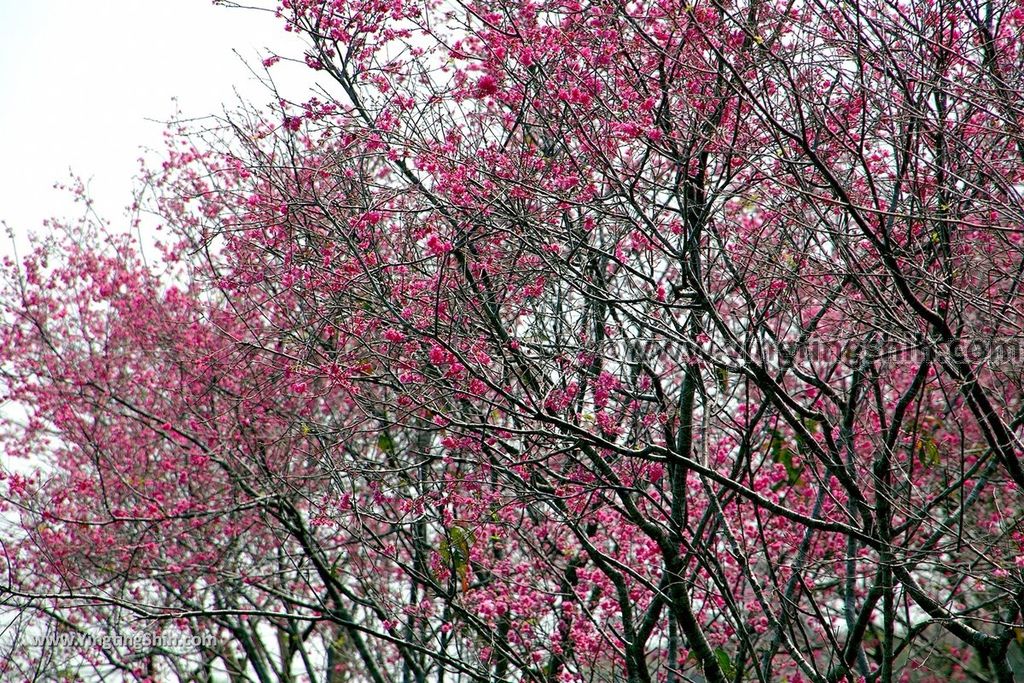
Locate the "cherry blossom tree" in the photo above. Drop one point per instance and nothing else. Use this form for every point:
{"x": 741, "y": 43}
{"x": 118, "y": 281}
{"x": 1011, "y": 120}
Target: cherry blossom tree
{"x": 551, "y": 341}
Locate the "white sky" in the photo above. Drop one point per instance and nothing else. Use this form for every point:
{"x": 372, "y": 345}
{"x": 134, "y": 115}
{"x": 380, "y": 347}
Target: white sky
{"x": 80, "y": 78}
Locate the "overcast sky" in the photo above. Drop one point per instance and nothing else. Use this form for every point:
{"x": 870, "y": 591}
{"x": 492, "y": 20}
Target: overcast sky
{"x": 82, "y": 82}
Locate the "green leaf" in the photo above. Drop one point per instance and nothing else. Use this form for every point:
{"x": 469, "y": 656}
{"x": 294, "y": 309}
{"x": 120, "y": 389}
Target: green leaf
{"x": 929, "y": 453}
{"x": 725, "y": 663}
{"x": 781, "y": 453}
{"x": 460, "y": 540}
{"x": 454, "y": 550}
{"x": 386, "y": 443}
{"x": 723, "y": 380}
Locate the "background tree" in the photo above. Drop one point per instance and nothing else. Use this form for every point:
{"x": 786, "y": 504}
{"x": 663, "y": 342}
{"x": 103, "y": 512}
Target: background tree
{"x": 553, "y": 341}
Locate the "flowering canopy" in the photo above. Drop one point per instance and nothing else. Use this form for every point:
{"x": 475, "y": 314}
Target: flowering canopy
{"x": 553, "y": 341}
